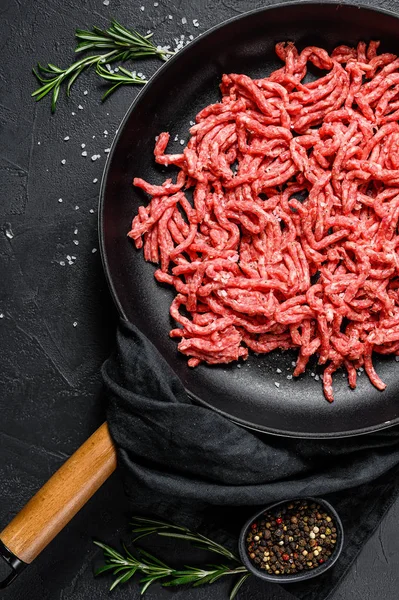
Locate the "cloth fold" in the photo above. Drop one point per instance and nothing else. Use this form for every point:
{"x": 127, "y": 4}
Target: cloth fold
{"x": 185, "y": 463}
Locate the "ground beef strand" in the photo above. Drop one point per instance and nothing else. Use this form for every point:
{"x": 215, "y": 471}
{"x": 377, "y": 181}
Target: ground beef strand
{"x": 290, "y": 239}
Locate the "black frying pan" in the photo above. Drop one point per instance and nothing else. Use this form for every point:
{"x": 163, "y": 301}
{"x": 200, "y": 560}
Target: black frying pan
{"x": 169, "y": 101}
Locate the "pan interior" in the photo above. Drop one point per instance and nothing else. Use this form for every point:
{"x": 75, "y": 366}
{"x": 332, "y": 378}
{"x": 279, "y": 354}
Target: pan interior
{"x": 246, "y": 393}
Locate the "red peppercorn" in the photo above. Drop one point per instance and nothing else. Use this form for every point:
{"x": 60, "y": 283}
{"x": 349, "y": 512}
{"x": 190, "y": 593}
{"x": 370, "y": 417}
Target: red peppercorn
{"x": 279, "y": 520}
{"x": 254, "y": 525}
{"x": 285, "y": 557}
{"x": 321, "y": 561}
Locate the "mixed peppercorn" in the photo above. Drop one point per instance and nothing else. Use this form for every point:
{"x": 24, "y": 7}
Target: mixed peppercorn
{"x": 297, "y": 536}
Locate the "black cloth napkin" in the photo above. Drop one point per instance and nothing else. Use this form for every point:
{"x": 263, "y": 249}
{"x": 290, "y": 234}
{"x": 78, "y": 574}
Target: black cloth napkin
{"x": 189, "y": 465}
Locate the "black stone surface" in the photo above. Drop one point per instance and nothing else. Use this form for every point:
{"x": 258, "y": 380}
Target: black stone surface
{"x": 50, "y": 388}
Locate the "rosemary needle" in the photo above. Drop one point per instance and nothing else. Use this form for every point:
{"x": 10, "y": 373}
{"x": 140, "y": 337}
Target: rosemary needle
{"x": 122, "y": 44}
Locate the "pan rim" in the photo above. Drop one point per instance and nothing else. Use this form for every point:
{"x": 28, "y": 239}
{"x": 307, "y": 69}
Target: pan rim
{"x": 110, "y": 280}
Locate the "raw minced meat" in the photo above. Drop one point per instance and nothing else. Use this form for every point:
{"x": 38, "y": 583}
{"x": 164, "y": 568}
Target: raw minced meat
{"x": 291, "y": 238}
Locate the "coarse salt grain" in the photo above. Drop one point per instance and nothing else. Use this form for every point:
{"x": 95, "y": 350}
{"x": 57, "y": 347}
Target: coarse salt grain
{"x": 1, "y": 316}
{"x": 38, "y": 143}
{"x": 182, "y": 142}
{"x": 63, "y": 162}
{"x": 276, "y": 383}
{"x": 105, "y": 132}
{"x": 76, "y": 242}
{"x": 156, "y": 3}
{"x": 75, "y": 232}
{"x": 75, "y": 323}
{"x": 76, "y": 207}
{"x": 95, "y": 156}
{"x": 106, "y": 2}
{"x": 80, "y": 107}
{"x": 195, "y": 23}
{"x": 289, "y": 376}
{"x": 95, "y": 180}
{"x": 59, "y": 199}
{"x": 316, "y": 378}
{"x": 62, "y": 263}
{"x": 66, "y": 138}
{"x": 107, "y": 150}
{"x": 142, "y": 7}
{"x": 184, "y": 20}
{"x": 85, "y": 93}
{"x": 94, "y": 250}
{"x": 278, "y": 371}
{"x": 170, "y": 17}
{"x": 73, "y": 113}
{"x": 84, "y": 153}
{"x": 83, "y": 145}
{"x": 91, "y": 210}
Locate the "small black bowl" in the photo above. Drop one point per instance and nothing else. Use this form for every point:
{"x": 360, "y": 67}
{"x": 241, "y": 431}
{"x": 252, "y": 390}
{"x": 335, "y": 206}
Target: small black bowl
{"x": 294, "y": 577}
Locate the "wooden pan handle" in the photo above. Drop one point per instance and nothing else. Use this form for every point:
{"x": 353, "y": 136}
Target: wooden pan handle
{"x": 54, "y": 505}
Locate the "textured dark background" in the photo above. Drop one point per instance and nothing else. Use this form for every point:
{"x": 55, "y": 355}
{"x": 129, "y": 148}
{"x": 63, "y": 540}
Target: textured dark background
{"x": 57, "y": 321}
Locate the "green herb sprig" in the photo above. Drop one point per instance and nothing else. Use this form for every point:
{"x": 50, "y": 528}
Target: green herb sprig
{"x": 124, "y": 566}
{"x": 122, "y": 44}
{"x": 121, "y": 77}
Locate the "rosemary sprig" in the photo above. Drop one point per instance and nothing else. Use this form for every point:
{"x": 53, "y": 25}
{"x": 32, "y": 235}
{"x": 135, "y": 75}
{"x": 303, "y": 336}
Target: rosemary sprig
{"x": 154, "y": 570}
{"x": 122, "y": 45}
{"x": 52, "y": 77}
{"x": 121, "y": 77}
{"x": 117, "y": 37}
